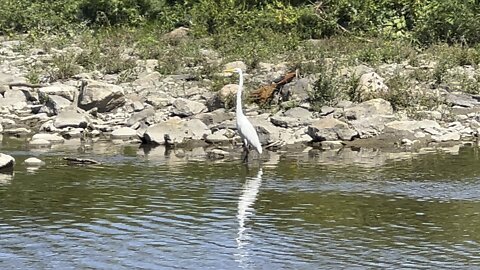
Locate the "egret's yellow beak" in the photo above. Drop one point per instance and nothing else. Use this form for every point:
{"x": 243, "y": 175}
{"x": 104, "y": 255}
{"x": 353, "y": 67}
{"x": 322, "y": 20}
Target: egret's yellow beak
{"x": 229, "y": 70}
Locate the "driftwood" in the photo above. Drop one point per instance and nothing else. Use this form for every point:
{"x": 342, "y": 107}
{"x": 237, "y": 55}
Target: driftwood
{"x": 265, "y": 93}
{"x": 21, "y": 84}
{"x": 85, "y": 161}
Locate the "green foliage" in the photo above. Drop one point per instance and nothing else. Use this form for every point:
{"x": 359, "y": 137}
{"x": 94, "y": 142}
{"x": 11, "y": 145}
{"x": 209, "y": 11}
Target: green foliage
{"x": 327, "y": 88}
{"x": 64, "y": 66}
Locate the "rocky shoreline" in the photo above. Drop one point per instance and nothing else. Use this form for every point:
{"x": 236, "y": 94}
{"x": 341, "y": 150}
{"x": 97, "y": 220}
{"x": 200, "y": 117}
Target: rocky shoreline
{"x": 177, "y": 110}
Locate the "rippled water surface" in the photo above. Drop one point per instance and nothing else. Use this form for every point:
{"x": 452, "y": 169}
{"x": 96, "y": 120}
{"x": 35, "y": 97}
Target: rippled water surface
{"x": 151, "y": 209}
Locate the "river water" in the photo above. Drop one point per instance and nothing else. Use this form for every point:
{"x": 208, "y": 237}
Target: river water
{"x": 155, "y": 209}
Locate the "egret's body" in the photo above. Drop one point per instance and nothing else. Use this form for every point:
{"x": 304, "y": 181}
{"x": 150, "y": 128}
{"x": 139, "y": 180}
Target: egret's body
{"x": 245, "y": 128}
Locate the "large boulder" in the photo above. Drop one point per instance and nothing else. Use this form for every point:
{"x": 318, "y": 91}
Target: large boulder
{"x": 224, "y": 98}
{"x": 370, "y": 86}
{"x": 215, "y": 117}
{"x": 13, "y": 98}
{"x": 7, "y": 162}
{"x": 297, "y": 90}
{"x": 368, "y": 127}
{"x": 124, "y": 133}
{"x": 70, "y": 118}
{"x": 369, "y": 108}
{"x": 103, "y": 96}
{"x": 59, "y": 89}
{"x": 408, "y": 128}
{"x": 55, "y": 104}
{"x": 331, "y": 129}
{"x": 175, "y": 131}
{"x": 183, "y": 107}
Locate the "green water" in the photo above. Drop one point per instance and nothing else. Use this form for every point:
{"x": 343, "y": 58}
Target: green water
{"x": 155, "y": 209}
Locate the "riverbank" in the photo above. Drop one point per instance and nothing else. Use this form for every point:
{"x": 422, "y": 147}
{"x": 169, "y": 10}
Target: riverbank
{"x": 57, "y": 90}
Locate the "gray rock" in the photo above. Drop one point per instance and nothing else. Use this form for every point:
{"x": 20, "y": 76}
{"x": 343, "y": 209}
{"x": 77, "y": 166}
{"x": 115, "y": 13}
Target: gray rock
{"x": 13, "y": 98}
{"x": 184, "y": 107}
{"x": 147, "y": 81}
{"x": 370, "y": 85}
{"x": 68, "y": 92}
{"x": 461, "y": 99}
{"x": 7, "y": 162}
{"x": 301, "y": 114}
{"x": 296, "y": 90}
{"x": 55, "y": 104}
{"x": 284, "y": 121}
{"x": 138, "y": 106}
{"x": 218, "y": 137}
{"x": 124, "y": 133}
{"x": 175, "y": 131}
{"x": 371, "y": 126}
{"x": 159, "y": 99}
{"x": 17, "y": 131}
{"x": 103, "y": 96}
{"x": 70, "y": 118}
{"x": 330, "y": 129}
{"x": 369, "y": 108}
{"x": 452, "y": 136}
{"x": 267, "y": 132}
{"x": 432, "y": 115}
{"x": 198, "y": 130}
{"x": 33, "y": 161}
{"x": 140, "y": 116}
{"x": 215, "y": 117}
{"x": 407, "y": 128}
{"x": 53, "y": 138}
{"x": 72, "y": 133}
{"x": 407, "y": 142}
{"x": 224, "y": 98}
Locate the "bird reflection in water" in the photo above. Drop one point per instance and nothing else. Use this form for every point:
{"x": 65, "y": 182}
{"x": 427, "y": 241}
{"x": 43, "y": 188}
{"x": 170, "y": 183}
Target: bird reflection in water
{"x": 245, "y": 211}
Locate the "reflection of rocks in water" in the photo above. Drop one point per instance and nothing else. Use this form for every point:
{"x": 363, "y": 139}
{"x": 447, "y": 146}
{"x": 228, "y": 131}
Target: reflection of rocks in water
{"x": 6, "y": 179}
{"x": 170, "y": 155}
{"x": 348, "y": 156}
{"x": 32, "y": 169}
{"x": 370, "y": 157}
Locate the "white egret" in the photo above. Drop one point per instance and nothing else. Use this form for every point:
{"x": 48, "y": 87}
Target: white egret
{"x": 245, "y": 128}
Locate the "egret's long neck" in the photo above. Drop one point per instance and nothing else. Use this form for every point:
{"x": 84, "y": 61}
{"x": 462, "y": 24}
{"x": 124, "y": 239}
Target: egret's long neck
{"x": 239, "y": 110}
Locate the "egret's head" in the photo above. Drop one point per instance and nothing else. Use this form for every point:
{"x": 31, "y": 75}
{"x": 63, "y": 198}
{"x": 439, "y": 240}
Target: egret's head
{"x": 232, "y": 70}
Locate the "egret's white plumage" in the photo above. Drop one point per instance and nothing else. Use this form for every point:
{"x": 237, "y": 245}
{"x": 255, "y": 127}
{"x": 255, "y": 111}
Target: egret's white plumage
{"x": 245, "y": 128}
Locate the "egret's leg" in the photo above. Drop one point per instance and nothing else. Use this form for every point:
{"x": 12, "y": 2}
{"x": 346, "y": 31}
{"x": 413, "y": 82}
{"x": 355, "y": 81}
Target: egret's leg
{"x": 246, "y": 151}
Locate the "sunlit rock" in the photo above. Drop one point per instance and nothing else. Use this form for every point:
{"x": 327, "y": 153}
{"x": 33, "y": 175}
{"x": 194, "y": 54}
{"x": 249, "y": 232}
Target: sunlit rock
{"x": 103, "y": 96}
{"x": 33, "y": 161}
{"x": 53, "y": 138}
{"x": 7, "y": 162}
{"x": 124, "y": 133}
{"x": 184, "y": 107}
{"x": 331, "y": 129}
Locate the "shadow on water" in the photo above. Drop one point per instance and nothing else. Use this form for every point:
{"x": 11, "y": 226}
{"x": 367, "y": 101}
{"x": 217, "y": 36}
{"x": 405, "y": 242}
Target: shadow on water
{"x": 303, "y": 209}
